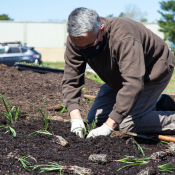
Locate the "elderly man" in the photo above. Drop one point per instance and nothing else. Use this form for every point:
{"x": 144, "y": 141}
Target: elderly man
{"x": 135, "y": 64}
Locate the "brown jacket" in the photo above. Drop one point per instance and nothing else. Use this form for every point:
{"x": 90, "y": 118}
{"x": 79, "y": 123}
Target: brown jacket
{"x": 132, "y": 57}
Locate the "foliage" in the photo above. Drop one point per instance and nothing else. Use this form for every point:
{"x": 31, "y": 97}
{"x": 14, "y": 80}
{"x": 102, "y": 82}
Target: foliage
{"x": 139, "y": 147}
{"x": 11, "y": 112}
{"x": 110, "y": 15}
{"x": 134, "y": 164}
{"x": 25, "y": 163}
{"x": 33, "y": 134}
{"x": 88, "y": 100}
{"x": 5, "y": 17}
{"x": 63, "y": 108}
{"x": 143, "y": 20}
{"x": 97, "y": 78}
{"x": 167, "y": 167}
{"x": 52, "y": 166}
{"x": 133, "y": 12}
{"x": 89, "y": 129}
{"x": 83, "y": 89}
{"x": 167, "y": 22}
{"x": 43, "y": 113}
{"x": 8, "y": 129}
{"x": 132, "y": 161}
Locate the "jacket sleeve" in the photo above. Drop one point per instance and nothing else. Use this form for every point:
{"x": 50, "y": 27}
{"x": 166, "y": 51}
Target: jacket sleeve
{"x": 73, "y": 79}
{"x": 130, "y": 57}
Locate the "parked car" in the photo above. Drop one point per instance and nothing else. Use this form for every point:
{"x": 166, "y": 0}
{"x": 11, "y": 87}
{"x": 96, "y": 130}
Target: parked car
{"x": 12, "y": 52}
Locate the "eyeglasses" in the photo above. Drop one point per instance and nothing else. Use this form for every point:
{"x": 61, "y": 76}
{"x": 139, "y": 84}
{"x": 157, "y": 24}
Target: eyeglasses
{"x": 89, "y": 45}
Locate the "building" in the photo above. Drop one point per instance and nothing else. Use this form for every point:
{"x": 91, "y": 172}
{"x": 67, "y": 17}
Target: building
{"x": 48, "y": 38}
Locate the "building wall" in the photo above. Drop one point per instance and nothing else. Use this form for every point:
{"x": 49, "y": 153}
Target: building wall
{"x": 48, "y": 38}
{"x": 154, "y": 27}
{"x": 51, "y": 54}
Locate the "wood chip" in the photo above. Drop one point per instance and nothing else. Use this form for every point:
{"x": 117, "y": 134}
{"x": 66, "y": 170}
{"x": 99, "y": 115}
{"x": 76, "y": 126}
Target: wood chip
{"x": 90, "y": 97}
{"x": 55, "y": 108}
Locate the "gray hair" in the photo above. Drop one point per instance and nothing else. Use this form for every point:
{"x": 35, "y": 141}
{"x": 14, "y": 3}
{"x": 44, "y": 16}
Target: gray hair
{"x": 81, "y": 20}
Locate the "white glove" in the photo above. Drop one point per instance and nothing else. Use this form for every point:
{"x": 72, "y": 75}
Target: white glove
{"x": 102, "y": 130}
{"x": 77, "y": 127}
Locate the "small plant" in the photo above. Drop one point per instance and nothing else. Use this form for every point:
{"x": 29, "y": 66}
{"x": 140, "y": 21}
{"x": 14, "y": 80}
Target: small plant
{"x": 26, "y": 165}
{"x": 83, "y": 89}
{"x": 11, "y": 113}
{"x": 51, "y": 166}
{"x": 8, "y": 128}
{"x": 133, "y": 161}
{"x": 43, "y": 113}
{"x": 167, "y": 167}
{"x": 58, "y": 139}
{"x": 88, "y": 100}
{"x": 93, "y": 125}
{"x": 97, "y": 78}
{"x": 139, "y": 147}
{"x": 63, "y": 108}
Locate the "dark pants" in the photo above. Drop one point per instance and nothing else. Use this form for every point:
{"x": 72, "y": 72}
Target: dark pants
{"x": 144, "y": 118}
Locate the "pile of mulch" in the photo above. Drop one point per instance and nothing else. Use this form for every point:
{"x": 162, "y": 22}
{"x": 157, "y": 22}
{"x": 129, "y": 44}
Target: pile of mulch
{"x": 19, "y": 87}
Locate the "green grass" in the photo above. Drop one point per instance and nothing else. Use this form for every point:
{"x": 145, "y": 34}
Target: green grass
{"x": 169, "y": 89}
{"x": 58, "y": 65}
{"x": 171, "y": 85}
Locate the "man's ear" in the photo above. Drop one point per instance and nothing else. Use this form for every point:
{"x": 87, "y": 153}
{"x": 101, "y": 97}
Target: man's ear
{"x": 102, "y": 29}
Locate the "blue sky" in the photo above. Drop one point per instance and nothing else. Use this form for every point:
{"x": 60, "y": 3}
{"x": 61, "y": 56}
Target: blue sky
{"x": 58, "y": 10}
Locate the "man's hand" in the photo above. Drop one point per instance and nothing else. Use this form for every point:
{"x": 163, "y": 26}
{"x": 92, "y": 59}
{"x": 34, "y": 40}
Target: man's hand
{"x": 102, "y": 130}
{"x": 77, "y": 127}
{"x": 105, "y": 129}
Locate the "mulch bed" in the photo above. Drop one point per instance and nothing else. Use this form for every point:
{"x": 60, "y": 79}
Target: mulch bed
{"x": 18, "y": 87}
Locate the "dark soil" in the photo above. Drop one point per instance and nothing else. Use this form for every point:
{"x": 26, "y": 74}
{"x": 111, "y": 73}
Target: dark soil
{"x": 22, "y": 86}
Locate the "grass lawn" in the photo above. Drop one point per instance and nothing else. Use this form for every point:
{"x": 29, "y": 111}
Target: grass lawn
{"x": 59, "y": 65}
{"x": 169, "y": 89}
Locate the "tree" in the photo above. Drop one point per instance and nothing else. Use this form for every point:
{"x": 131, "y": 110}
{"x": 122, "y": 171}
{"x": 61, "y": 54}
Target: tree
{"x": 5, "y": 17}
{"x": 110, "y": 15}
{"x": 143, "y": 20}
{"x": 133, "y": 12}
{"x": 167, "y": 22}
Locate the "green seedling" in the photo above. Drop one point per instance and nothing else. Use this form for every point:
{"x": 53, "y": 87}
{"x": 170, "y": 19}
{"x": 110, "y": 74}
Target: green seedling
{"x": 89, "y": 129}
{"x": 134, "y": 164}
{"x": 139, "y": 147}
{"x": 132, "y": 161}
{"x": 8, "y": 128}
{"x": 33, "y": 134}
{"x": 43, "y": 113}
{"x": 97, "y": 78}
{"x": 11, "y": 113}
{"x": 51, "y": 166}
{"x": 83, "y": 89}
{"x": 63, "y": 108}
{"x": 58, "y": 139}
{"x": 167, "y": 168}
{"x": 26, "y": 165}
{"x": 88, "y": 100}
{"x": 164, "y": 142}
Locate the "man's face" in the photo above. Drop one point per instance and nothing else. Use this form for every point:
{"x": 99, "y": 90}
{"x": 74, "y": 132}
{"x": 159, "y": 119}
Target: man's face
{"x": 89, "y": 40}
